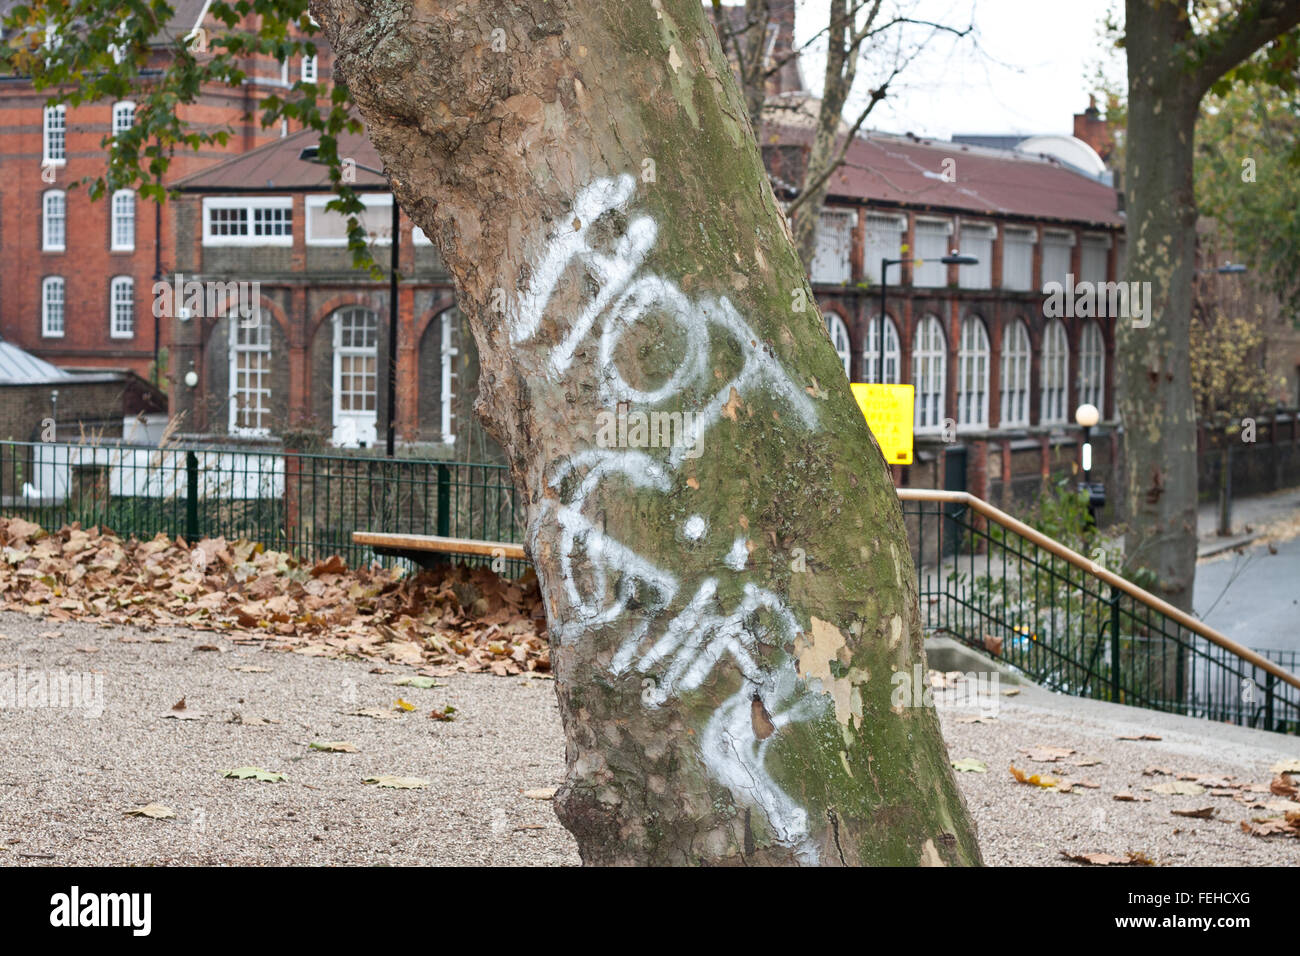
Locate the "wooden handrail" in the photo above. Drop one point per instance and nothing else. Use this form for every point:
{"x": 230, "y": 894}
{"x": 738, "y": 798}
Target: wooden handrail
{"x": 1095, "y": 569}
{"x": 430, "y": 542}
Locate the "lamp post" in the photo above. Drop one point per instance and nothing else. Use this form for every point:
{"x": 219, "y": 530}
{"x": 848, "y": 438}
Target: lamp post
{"x": 954, "y": 258}
{"x": 309, "y": 154}
{"x": 1087, "y": 416}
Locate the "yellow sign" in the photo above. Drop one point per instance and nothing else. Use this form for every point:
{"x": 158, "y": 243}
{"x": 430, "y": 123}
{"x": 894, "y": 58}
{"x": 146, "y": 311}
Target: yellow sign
{"x": 888, "y": 411}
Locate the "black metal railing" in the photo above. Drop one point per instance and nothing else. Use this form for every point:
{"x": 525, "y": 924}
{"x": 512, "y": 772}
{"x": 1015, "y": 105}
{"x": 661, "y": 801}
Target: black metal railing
{"x": 304, "y": 504}
{"x": 1068, "y": 629}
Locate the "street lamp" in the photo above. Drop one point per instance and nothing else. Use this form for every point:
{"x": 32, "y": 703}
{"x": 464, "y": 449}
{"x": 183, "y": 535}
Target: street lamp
{"x": 954, "y": 258}
{"x": 309, "y": 154}
{"x": 1087, "y": 416}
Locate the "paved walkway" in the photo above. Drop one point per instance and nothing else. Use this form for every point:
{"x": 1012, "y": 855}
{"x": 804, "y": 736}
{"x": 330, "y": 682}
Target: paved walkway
{"x": 66, "y": 779}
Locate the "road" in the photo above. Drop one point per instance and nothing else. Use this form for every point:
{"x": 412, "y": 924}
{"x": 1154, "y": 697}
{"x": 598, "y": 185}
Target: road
{"x": 1253, "y": 597}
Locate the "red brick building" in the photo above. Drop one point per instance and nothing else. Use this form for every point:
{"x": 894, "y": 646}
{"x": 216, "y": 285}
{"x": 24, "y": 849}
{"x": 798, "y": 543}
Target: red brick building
{"x": 76, "y": 274}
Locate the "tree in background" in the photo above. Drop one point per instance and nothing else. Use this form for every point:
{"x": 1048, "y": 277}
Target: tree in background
{"x": 876, "y": 39}
{"x": 1176, "y": 52}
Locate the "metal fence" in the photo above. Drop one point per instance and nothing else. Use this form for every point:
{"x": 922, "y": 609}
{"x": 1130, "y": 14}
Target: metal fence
{"x": 984, "y": 584}
{"x": 305, "y": 504}
{"x": 1069, "y": 630}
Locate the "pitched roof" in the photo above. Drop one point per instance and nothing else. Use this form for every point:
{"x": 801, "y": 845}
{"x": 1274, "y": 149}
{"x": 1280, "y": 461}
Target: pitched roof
{"x": 908, "y": 171}
{"x": 277, "y": 166}
{"x": 18, "y": 367}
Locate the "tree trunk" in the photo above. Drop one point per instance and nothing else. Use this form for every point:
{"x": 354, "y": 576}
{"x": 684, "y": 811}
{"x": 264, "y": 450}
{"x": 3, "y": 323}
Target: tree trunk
{"x": 727, "y": 603}
{"x": 1153, "y": 360}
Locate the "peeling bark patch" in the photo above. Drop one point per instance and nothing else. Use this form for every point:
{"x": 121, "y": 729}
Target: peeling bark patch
{"x": 820, "y": 659}
{"x": 930, "y": 855}
{"x": 674, "y": 60}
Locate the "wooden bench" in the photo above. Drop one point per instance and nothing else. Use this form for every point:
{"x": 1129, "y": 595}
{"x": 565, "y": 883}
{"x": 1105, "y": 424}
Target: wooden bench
{"x": 428, "y": 550}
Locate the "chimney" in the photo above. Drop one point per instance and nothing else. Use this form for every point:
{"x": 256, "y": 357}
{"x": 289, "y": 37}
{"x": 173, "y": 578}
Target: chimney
{"x": 1095, "y": 131}
{"x": 781, "y": 37}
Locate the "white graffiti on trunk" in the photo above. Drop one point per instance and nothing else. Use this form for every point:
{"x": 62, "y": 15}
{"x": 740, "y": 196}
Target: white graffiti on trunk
{"x": 614, "y": 582}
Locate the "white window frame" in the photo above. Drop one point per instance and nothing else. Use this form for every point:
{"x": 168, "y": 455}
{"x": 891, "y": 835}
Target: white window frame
{"x": 343, "y": 352}
{"x": 121, "y": 307}
{"x": 1055, "y": 374}
{"x": 54, "y": 132}
{"x": 1092, "y": 365}
{"x": 922, "y": 271}
{"x": 263, "y": 390}
{"x": 832, "y": 262}
{"x": 308, "y": 69}
{"x": 1052, "y": 239}
{"x": 50, "y": 218}
{"x": 122, "y": 221}
{"x": 1094, "y": 242}
{"x": 973, "y": 374}
{"x": 123, "y": 109}
{"x": 977, "y": 240}
{"x": 1018, "y": 237}
{"x": 315, "y": 206}
{"x": 929, "y": 374}
{"x": 839, "y": 336}
{"x": 250, "y": 205}
{"x": 50, "y": 303}
{"x": 883, "y": 239}
{"x": 450, "y": 350}
{"x": 871, "y": 354}
{"x": 1014, "y": 384}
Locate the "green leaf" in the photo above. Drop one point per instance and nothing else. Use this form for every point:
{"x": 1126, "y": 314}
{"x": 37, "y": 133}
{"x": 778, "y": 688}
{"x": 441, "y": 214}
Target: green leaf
{"x": 970, "y": 765}
{"x": 424, "y": 683}
{"x": 254, "y": 773}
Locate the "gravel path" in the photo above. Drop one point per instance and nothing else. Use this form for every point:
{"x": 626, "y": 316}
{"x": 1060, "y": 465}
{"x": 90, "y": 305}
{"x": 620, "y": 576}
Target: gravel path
{"x": 66, "y": 779}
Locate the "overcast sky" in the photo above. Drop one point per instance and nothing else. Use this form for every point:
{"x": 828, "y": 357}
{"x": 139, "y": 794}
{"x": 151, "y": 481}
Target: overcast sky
{"x": 1027, "y": 71}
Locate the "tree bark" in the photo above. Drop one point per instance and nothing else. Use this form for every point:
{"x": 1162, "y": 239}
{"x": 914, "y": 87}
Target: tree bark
{"x": 727, "y": 607}
{"x": 1169, "y": 70}
{"x": 1153, "y": 361}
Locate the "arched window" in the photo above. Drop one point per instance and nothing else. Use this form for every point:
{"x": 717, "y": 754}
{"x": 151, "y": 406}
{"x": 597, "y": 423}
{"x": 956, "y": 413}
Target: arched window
{"x": 973, "y": 374}
{"x": 121, "y": 307}
{"x": 871, "y": 354}
{"x": 1015, "y": 374}
{"x": 929, "y": 371}
{"x": 52, "y": 323}
{"x": 840, "y": 339}
{"x": 356, "y": 376}
{"x": 250, "y": 375}
{"x": 450, "y": 331}
{"x": 1056, "y": 366}
{"x": 123, "y": 237}
{"x": 54, "y": 220}
{"x": 1092, "y": 365}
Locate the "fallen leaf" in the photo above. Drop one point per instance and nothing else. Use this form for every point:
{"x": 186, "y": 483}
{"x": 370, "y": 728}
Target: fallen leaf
{"x": 1182, "y": 788}
{"x": 543, "y": 793}
{"x": 1126, "y": 797}
{"x": 378, "y": 713}
{"x": 1036, "y": 780}
{"x": 1285, "y": 766}
{"x": 154, "y": 811}
{"x": 1139, "y": 737}
{"x": 398, "y": 783}
{"x": 1047, "y": 754}
{"x": 1283, "y": 787}
{"x": 993, "y": 645}
{"x": 424, "y": 683}
{"x": 179, "y": 705}
{"x": 1011, "y": 693}
{"x": 970, "y": 765}
{"x": 446, "y": 713}
{"x": 400, "y": 704}
{"x": 251, "y": 669}
{"x": 254, "y": 773}
{"x": 336, "y": 747}
{"x": 1203, "y": 813}
{"x": 1106, "y": 859}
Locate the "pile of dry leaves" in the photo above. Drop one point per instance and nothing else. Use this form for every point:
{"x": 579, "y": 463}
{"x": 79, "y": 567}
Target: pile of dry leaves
{"x": 450, "y": 619}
